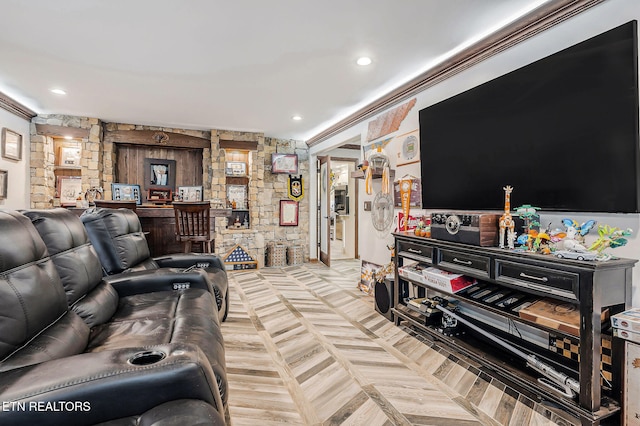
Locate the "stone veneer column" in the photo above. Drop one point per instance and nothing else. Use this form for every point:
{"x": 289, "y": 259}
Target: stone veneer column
{"x": 42, "y": 177}
{"x": 93, "y": 157}
{"x": 265, "y": 192}
{"x": 42, "y": 164}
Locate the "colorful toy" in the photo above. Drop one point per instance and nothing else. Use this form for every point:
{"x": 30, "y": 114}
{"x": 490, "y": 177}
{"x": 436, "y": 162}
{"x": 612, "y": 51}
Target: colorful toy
{"x": 579, "y": 255}
{"x": 530, "y": 216}
{"x": 506, "y": 220}
{"x": 576, "y": 231}
{"x": 609, "y": 236}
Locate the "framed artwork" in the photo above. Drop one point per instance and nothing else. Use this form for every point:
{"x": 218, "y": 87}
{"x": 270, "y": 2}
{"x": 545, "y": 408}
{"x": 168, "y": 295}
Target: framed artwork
{"x": 159, "y": 173}
{"x": 408, "y": 149}
{"x": 159, "y": 195}
{"x": 70, "y": 156}
{"x": 3, "y": 184}
{"x": 190, "y": 193}
{"x": 70, "y": 188}
{"x": 126, "y": 192}
{"x": 237, "y": 193}
{"x": 368, "y": 271}
{"x": 415, "y": 194}
{"x": 11, "y": 144}
{"x": 59, "y": 183}
{"x": 284, "y": 163}
{"x": 235, "y": 168}
{"x": 288, "y": 213}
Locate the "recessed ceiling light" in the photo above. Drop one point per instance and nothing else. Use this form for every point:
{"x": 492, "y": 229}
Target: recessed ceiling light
{"x": 364, "y": 61}
{"x": 58, "y": 91}
{"x": 68, "y": 137}
{"x": 296, "y": 117}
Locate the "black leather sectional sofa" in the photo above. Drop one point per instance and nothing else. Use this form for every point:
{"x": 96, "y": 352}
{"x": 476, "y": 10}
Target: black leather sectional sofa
{"x": 117, "y": 236}
{"x": 78, "y": 349}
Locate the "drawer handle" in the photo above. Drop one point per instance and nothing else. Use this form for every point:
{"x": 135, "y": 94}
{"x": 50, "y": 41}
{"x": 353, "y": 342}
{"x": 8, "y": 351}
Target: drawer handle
{"x": 464, "y": 262}
{"x": 543, "y": 279}
{"x": 410, "y": 250}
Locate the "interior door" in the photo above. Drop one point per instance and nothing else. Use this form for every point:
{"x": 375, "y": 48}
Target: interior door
{"x": 325, "y": 211}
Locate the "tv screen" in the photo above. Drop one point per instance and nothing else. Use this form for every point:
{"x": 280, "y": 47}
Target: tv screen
{"x": 562, "y": 131}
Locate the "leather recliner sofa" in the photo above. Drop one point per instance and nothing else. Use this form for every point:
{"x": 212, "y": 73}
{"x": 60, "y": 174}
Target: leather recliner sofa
{"x": 78, "y": 349}
{"x": 117, "y": 236}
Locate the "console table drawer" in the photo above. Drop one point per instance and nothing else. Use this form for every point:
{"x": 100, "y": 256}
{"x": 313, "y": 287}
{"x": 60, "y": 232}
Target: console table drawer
{"x": 416, "y": 251}
{"x": 478, "y": 266}
{"x": 548, "y": 282}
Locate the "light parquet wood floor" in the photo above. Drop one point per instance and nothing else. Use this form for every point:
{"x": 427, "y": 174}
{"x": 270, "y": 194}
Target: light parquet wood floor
{"x": 305, "y": 347}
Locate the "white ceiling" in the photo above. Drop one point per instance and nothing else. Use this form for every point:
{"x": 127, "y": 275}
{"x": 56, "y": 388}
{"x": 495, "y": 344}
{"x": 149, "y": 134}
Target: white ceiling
{"x": 246, "y": 65}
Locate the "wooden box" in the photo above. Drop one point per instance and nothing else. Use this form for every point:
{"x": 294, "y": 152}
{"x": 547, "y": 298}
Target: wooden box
{"x": 556, "y": 314}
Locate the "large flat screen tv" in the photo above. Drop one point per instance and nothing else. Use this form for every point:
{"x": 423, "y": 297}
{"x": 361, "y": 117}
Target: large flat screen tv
{"x": 563, "y": 131}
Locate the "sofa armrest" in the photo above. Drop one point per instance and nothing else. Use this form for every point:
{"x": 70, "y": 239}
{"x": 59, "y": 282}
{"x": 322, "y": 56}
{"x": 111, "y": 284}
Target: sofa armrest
{"x": 95, "y": 387}
{"x": 164, "y": 279}
{"x": 190, "y": 260}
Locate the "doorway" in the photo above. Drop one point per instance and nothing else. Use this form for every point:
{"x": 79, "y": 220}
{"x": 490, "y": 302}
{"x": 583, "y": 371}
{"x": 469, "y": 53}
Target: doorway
{"x": 343, "y": 209}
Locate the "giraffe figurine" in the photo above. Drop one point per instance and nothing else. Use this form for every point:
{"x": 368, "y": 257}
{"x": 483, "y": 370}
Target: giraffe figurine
{"x": 506, "y": 220}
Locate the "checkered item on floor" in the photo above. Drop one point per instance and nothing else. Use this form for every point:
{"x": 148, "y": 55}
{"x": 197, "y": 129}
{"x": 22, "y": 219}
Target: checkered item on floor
{"x": 570, "y": 348}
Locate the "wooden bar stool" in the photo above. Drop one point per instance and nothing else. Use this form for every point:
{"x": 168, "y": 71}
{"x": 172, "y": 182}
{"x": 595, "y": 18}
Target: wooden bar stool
{"x": 193, "y": 225}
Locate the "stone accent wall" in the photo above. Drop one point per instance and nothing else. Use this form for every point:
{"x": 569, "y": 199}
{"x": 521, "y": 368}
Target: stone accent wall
{"x": 265, "y": 189}
{"x": 251, "y": 239}
{"x": 265, "y": 192}
{"x": 42, "y": 164}
{"x": 42, "y": 177}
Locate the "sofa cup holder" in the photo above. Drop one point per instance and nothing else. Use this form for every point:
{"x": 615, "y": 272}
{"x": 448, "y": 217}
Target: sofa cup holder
{"x": 147, "y": 358}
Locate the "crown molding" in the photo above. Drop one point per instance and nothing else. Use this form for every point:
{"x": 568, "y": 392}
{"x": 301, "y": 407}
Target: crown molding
{"x": 15, "y": 107}
{"x": 538, "y": 20}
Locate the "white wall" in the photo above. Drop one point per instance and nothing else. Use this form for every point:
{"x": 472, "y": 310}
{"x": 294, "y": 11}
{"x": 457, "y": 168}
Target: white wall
{"x": 596, "y": 20}
{"x": 18, "y": 171}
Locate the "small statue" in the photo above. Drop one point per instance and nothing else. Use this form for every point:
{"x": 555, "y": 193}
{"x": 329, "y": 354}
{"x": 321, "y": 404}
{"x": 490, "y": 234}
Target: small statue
{"x": 609, "y": 236}
{"x": 92, "y": 194}
{"x": 506, "y": 220}
{"x": 576, "y": 231}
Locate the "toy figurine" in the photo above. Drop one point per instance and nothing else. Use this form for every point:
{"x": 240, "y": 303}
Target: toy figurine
{"x": 573, "y": 237}
{"x": 577, "y": 232}
{"x": 506, "y": 220}
{"x": 529, "y": 216}
{"x": 609, "y": 236}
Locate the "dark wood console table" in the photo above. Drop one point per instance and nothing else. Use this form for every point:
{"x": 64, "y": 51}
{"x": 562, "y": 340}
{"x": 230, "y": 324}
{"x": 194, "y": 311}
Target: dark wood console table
{"x": 591, "y": 286}
{"x": 160, "y": 225}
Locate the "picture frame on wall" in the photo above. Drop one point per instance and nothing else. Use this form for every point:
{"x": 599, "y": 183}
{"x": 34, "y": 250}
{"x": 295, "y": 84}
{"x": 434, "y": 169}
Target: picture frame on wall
{"x": 284, "y": 163}
{"x": 126, "y": 192}
{"x": 70, "y": 156}
{"x": 70, "y": 188}
{"x": 59, "y": 183}
{"x": 288, "y": 213}
{"x": 237, "y": 193}
{"x": 190, "y": 193}
{"x": 3, "y": 184}
{"x": 159, "y": 173}
{"x": 159, "y": 195}
{"x": 408, "y": 148}
{"x": 235, "y": 168}
{"x": 11, "y": 144}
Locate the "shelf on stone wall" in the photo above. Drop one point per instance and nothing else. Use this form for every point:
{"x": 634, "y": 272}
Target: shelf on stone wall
{"x": 359, "y": 174}
{"x": 67, "y": 167}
